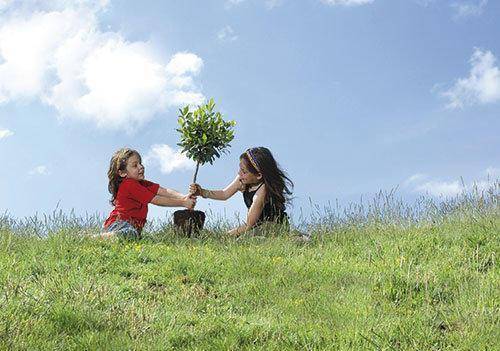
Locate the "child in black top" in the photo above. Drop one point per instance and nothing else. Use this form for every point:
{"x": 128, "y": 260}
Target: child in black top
{"x": 266, "y": 189}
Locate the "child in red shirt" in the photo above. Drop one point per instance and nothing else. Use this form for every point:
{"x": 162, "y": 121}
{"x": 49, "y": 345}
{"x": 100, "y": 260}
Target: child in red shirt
{"x": 131, "y": 194}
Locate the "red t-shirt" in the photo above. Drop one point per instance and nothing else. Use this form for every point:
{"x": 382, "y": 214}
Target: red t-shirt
{"x": 131, "y": 203}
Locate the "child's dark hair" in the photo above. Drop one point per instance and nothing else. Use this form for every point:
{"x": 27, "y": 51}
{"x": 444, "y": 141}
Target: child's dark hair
{"x": 279, "y": 187}
{"x": 118, "y": 163}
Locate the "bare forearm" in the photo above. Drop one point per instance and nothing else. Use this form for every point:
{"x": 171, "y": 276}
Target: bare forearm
{"x": 214, "y": 194}
{"x": 224, "y": 194}
{"x": 169, "y": 193}
{"x": 168, "y": 201}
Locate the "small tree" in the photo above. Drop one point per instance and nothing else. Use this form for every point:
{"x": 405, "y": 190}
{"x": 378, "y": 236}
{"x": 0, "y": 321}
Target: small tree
{"x": 204, "y": 134}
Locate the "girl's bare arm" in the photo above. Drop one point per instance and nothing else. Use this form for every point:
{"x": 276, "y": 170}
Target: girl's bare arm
{"x": 185, "y": 201}
{"x": 170, "y": 193}
{"x": 254, "y": 212}
{"x": 224, "y": 194}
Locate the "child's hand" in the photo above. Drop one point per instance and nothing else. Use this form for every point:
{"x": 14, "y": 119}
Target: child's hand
{"x": 233, "y": 232}
{"x": 195, "y": 189}
{"x": 189, "y": 201}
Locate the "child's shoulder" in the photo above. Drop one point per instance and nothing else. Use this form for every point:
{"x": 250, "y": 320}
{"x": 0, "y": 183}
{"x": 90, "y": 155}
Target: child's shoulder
{"x": 134, "y": 182}
{"x": 134, "y": 186}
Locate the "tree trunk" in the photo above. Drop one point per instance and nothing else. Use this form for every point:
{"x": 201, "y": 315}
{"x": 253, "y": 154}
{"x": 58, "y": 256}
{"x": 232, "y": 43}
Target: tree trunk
{"x": 196, "y": 172}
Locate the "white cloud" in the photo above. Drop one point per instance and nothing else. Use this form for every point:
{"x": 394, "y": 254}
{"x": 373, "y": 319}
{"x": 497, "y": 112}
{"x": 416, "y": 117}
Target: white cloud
{"x": 184, "y": 62}
{"x": 347, "y": 2}
{"x": 61, "y": 57}
{"x": 446, "y": 189}
{"x": 168, "y": 159}
{"x": 414, "y": 178}
{"x": 4, "y": 133}
{"x": 40, "y": 170}
{"x": 43, "y": 5}
{"x": 419, "y": 183}
{"x": 226, "y": 34}
{"x": 4, "y": 4}
{"x": 468, "y": 9}
{"x": 481, "y": 87}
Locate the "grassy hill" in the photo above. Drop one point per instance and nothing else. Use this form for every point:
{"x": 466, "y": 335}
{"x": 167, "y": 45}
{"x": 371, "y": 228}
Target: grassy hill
{"x": 362, "y": 282}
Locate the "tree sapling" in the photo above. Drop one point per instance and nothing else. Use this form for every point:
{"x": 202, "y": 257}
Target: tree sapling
{"x": 204, "y": 137}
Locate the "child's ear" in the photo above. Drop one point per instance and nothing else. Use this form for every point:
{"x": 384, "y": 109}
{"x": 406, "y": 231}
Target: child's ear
{"x": 259, "y": 176}
{"x": 122, "y": 174}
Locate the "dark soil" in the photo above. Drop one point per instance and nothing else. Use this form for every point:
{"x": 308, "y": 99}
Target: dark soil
{"x": 188, "y": 221}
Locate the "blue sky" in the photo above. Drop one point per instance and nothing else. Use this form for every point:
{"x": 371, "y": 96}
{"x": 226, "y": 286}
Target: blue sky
{"x": 352, "y": 96}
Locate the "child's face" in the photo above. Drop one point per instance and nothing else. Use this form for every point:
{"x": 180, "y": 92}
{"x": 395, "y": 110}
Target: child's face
{"x": 247, "y": 177}
{"x": 134, "y": 168}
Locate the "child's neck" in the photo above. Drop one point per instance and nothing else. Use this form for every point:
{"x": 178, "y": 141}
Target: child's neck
{"x": 253, "y": 186}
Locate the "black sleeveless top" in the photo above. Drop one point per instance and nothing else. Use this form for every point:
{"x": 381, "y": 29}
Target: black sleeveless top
{"x": 270, "y": 212}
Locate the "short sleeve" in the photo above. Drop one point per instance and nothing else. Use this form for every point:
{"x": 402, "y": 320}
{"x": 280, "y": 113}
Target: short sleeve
{"x": 142, "y": 191}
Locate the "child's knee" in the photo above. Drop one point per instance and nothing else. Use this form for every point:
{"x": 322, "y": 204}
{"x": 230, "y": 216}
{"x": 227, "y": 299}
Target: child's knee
{"x": 123, "y": 230}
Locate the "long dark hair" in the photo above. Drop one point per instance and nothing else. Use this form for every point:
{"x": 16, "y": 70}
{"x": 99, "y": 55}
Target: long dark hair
{"x": 118, "y": 163}
{"x": 278, "y": 185}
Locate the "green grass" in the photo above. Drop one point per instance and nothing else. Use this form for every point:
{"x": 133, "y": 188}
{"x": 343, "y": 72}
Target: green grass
{"x": 378, "y": 276}
{"x": 375, "y": 286}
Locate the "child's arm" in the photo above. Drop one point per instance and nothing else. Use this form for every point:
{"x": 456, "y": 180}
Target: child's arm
{"x": 254, "y": 212}
{"x": 170, "y": 193}
{"x": 230, "y": 190}
{"x": 186, "y": 201}
{"x": 149, "y": 192}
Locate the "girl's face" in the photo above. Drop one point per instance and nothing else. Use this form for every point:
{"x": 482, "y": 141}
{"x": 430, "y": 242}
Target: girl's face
{"x": 134, "y": 168}
{"x": 247, "y": 177}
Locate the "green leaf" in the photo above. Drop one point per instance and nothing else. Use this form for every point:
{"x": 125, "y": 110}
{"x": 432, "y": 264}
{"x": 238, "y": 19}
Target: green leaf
{"x": 204, "y": 133}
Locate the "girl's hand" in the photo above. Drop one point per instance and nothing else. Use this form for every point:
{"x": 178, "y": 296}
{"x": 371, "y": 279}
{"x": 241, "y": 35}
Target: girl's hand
{"x": 189, "y": 201}
{"x": 236, "y": 232}
{"x": 195, "y": 189}
{"x": 233, "y": 232}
